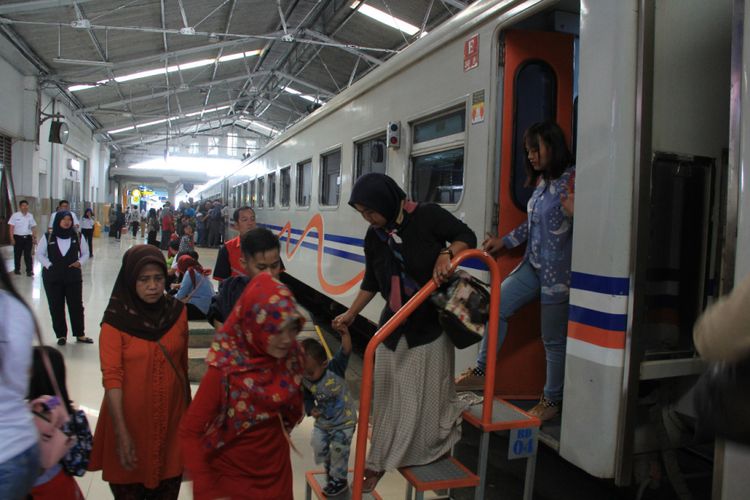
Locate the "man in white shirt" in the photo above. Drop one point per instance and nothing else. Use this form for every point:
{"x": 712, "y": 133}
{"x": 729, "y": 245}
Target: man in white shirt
{"x": 63, "y": 206}
{"x": 22, "y": 237}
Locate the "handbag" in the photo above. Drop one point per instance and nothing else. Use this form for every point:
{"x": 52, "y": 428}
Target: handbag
{"x": 463, "y": 304}
{"x": 50, "y": 416}
{"x": 76, "y": 460}
{"x": 721, "y": 401}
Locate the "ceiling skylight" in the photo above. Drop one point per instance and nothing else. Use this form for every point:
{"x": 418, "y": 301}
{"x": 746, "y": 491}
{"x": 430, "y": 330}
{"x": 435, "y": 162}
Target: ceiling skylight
{"x": 170, "y": 69}
{"x": 386, "y": 18}
{"x": 163, "y": 120}
{"x": 310, "y": 98}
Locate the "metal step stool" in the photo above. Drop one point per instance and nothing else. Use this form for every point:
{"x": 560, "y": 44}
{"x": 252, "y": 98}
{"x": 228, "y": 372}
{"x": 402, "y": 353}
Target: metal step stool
{"x": 447, "y": 473}
{"x": 316, "y": 481}
{"x": 524, "y": 429}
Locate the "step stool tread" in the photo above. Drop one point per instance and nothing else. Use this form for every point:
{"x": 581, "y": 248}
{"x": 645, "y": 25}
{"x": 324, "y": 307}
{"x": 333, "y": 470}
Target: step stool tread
{"x": 504, "y": 416}
{"x": 445, "y": 473}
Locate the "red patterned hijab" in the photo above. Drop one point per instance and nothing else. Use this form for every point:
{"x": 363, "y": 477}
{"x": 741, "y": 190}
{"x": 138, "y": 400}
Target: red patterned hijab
{"x": 257, "y": 386}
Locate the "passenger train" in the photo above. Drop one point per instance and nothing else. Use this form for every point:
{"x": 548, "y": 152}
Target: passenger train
{"x": 649, "y": 94}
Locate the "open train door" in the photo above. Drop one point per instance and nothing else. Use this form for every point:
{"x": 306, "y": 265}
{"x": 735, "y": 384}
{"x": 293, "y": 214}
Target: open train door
{"x": 537, "y": 75}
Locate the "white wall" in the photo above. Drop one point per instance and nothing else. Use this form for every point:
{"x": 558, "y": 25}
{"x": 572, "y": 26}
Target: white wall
{"x": 33, "y": 158}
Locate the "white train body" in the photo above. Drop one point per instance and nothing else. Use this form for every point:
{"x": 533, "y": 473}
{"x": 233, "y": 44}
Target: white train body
{"x": 645, "y": 90}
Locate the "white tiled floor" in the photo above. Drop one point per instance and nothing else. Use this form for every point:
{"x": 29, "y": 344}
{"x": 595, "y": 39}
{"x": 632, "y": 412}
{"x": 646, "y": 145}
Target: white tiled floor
{"x": 82, "y": 361}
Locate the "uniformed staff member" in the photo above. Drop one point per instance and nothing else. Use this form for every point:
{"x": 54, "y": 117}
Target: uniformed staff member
{"x": 61, "y": 254}
{"x": 22, "y": 237}
{"x": 63, "y": 206}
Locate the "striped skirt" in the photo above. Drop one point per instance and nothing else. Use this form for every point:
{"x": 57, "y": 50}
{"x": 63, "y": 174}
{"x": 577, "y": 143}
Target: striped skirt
{"x": 416, "y": 415}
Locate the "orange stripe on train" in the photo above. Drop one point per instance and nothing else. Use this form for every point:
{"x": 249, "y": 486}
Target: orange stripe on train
{"x": 611, "y": 339}
{"x": 316, "y": 222}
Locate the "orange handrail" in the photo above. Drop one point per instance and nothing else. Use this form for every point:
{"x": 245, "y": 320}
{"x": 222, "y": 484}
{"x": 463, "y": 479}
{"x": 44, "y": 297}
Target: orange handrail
{"x": 365, "y": 401}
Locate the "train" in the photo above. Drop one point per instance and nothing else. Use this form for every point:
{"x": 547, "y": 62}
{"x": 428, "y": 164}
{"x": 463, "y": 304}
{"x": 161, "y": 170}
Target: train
{"x": 649, "y": 94}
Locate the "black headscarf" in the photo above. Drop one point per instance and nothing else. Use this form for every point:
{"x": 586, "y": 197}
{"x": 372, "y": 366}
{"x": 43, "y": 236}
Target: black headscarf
{"x": 127, "y": 312}
{"x": 380, "y": 193}
{"x": 57, "y": 230}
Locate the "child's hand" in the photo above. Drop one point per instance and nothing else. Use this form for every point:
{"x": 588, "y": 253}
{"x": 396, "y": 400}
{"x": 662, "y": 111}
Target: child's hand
{"x": 315, "y": 413}
{"x": 346, "y": 339}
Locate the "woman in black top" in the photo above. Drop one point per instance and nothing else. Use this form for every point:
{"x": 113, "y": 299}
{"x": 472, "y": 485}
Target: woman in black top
{"x": 416, "y": 417}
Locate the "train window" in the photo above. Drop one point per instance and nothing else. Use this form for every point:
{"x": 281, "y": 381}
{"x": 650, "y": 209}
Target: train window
{"x": 252, "y": 200}
{"x": 536, "y": 101}
{"x": 442, "y": 126}
{"x": 272, "y": 190}
{"x": 286, "y": 186}
{"x": 371, "y": 156}
{"x": 438, "y": 177}
{"x": 330, "y": 177}
{"x": 245, "y": 193}
{"x": 261, "y": 191}
{"x": 304, "y": 183}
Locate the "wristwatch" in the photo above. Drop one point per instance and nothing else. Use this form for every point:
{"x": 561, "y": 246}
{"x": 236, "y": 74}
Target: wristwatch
{"x": 447, "y": 251}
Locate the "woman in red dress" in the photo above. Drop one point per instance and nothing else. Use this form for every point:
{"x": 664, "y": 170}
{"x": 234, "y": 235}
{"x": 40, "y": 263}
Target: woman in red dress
{"x": 234, "y": 436}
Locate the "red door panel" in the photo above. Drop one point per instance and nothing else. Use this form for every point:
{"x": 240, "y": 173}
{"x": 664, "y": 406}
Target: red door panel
{"x": 521, "y": 361}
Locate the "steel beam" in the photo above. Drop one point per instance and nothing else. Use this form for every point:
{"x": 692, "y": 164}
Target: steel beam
{"x": 36, "y": 5}
{"x": 172, "y": 92}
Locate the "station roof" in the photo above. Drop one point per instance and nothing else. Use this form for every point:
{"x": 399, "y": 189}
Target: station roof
{"x": 142, "y": 71}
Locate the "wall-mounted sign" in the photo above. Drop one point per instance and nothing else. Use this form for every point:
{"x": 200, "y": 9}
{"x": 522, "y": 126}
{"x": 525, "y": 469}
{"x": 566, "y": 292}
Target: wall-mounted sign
{"x": 477, "y": 106}
{"x": 471, "y": 53}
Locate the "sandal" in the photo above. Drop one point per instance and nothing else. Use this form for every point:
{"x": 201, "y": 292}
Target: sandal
{"x": 84, "y": 340}
{"x": 371, "y": 480}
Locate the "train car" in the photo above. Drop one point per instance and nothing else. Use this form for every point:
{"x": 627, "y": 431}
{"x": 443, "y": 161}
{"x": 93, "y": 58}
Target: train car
{"x": 649, "y": 95}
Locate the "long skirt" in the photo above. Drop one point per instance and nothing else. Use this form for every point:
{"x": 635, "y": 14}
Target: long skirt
{"x": 416, "y": 415}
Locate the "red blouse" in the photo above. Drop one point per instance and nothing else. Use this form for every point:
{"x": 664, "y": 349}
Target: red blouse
{"x": 256, "y": 465}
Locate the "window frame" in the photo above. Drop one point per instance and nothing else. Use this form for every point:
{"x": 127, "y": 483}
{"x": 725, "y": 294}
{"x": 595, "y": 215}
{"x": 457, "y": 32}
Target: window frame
{"x": 298, "y": 186}
{"x": 367, "y": 138}
{"x": 330, "y": 151}
{"x": 445, "y": 143}
{"x": 291, "y": 184}
{"x": 271, "y": 194}
{"x": 260, "y": 183}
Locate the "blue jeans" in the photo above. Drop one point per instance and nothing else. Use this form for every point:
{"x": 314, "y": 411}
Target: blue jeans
{"x": 332, "y": 449}
{"x": 18, "y": 474}
{"x": 517, "y": 290}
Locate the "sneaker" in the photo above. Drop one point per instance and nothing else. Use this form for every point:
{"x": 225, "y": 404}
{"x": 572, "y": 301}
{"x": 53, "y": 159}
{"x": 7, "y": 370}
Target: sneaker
{"x": 16, "y": 271}
{"x": 545, "y": 409}
{"x": 30, "y": 273}
{"x": 335, "y": 487}
{"x": 470, "y": 380}
{"x": 61, "y": 341}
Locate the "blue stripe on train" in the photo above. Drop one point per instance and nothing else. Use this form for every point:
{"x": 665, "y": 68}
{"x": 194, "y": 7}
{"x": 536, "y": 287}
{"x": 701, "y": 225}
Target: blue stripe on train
{"x": 600, "y": 284}
{"x": 598, "y": 319}
{"x": 358, "y": 242}
{"x": 470, "y": 263}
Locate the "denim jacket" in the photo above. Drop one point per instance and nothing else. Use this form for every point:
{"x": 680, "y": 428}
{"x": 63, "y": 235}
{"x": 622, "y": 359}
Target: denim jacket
{"x": 550, "y": 235}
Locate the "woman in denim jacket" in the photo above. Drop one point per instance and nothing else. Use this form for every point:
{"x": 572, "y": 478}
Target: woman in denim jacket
{"x": 545, "y": 270}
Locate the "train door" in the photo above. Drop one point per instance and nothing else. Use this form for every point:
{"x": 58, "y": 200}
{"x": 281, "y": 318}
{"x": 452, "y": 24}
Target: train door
{"x": 537, "y": 85}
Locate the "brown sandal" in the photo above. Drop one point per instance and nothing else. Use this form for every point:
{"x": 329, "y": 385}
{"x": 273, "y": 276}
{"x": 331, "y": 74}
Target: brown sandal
{"x": 371, "y": 480}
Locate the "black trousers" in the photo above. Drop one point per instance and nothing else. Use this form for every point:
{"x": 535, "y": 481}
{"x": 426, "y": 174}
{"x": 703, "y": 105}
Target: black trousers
{"x": 61, "y": 287}
{"x": 134, "y": 227}
{"x": 194, "y": 313}
{"x": 89, "y": 235}
{"x": 23, "y": 246}
{"x": 152, "y": 238}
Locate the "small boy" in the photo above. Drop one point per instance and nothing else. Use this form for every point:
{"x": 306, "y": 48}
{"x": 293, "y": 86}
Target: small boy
{"x": 260, "y": 253}
{"x": 328, "y": 401}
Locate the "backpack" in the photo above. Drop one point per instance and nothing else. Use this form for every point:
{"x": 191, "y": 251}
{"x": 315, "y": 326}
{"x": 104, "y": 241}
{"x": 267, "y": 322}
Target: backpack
{"x": 463, "y": 305}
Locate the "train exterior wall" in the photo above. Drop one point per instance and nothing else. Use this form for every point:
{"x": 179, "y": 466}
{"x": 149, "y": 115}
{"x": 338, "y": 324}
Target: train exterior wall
{"x": 602, "y": 237}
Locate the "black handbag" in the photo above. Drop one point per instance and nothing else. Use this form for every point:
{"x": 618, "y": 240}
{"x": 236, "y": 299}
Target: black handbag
{"x": 722, "y": 401}
{"x": 463, "y": 304}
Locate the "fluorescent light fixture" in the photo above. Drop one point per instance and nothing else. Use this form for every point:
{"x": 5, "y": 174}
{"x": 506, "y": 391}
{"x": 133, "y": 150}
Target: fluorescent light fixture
{"x": 163, "y": 120}
{"x": 82, "y": 62}
{"x": 386, "y": 18}
{"x": 303, "y": 96}
{"x": 169, "y": 69}
{"x": 213, "y": 167}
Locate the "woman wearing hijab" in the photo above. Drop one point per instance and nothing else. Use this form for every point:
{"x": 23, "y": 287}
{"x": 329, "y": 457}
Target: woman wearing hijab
{"x": 416, "y": 417}
{"x": 143, "y": 353}
{"x": 62, "y": 253}
{"x": 235, "y": 435}
{"x": 195, "y": 290}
